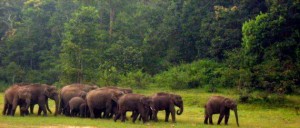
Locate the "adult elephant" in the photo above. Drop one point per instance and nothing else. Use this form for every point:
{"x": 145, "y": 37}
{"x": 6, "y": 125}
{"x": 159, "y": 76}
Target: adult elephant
{"x": 14, "y": 96}
{"x": 70, "y": 91}
{"x": 138, "y": 104}
{"x": 102, "y": 100}
{"x": 114, "y": 104}
{"x": 220, "y": 105}
{"x": 166, "y": 101}
{"x": 40, "y": 94}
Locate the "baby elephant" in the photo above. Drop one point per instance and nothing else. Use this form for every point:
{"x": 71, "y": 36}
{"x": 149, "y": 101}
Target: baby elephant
{"x": 220, "y": 105}
{"x": 78, "y": 106}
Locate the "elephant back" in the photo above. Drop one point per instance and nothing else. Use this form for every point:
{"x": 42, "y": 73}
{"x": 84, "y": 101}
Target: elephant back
{"x": 73, "y": 90}
{"x": 75, "y": 102}
{"x": 124, "y": 90}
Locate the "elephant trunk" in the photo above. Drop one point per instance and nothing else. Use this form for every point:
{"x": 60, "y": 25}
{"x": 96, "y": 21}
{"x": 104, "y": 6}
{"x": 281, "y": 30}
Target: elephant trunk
{"x": 179, "y": 112}
{"x": 236, "y": 117}
{"x": 27, "y": 104}
{"x": 56, "y": 99}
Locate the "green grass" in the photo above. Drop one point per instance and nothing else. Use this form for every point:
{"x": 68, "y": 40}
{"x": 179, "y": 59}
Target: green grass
{"x": 250, "y": 115}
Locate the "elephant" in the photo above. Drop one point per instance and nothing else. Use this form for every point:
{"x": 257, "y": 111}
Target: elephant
{"x": 114, "y": 104}
{"x": 70, "y": 91}
{"x": 76, "y": 102}
{"x": 40, "y": 94}
{"x": 102, "y": 100}
{"x": 222, "y": 105}
{"x": 166, "y": 101}
{"x": 84, "y": 110}
{"x": 9, "y": 95}
{"x": 26, "y": 112}
{"x": 14, "y": 96}
{"x": 137, "y": 103}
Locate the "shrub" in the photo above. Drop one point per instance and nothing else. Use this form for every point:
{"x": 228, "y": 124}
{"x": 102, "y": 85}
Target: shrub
{"x": 135, "y": 79}
{"x": 3, "y": 86}
{"x": 197, "y": 74}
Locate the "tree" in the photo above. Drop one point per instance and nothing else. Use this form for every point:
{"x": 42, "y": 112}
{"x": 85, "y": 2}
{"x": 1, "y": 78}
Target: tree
{"x": 270, "y": 48}
{"x": 81, "y": 46}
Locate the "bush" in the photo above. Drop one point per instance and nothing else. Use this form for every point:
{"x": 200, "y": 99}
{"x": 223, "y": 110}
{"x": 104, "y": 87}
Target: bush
{"x": 109, "y": 77}
{"x": 136, "y": 79}
{"x": 203, "y": 73}
{"x": 3, "y": 86}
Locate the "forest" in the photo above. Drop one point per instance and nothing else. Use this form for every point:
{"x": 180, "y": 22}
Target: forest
{"x": 246, "y": 45}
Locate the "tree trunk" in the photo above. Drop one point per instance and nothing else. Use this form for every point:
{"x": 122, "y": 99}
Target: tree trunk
{"x": 111, "y": 19}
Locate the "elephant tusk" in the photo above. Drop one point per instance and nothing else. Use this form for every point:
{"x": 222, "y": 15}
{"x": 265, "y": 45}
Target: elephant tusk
{"x": 152, "y": 109}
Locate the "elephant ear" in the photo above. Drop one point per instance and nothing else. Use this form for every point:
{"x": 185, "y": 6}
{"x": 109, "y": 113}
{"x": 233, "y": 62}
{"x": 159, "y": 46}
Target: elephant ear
{"x": 82, "y": 94}
{"x": 174, "y": 98}
{"x": 24, "y": 93}
{"x": 47, "y": 91}
{"x": 228, "y": 103}
{"x": 115, "y": 96}
{"x": 145, "y": 100}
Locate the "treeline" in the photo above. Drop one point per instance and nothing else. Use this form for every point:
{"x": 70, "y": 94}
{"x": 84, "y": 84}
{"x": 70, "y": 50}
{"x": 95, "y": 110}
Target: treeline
{"x": 248, "y": 44}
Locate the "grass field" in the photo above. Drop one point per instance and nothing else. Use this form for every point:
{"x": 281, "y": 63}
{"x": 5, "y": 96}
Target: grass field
{"x": 250, "y": 115}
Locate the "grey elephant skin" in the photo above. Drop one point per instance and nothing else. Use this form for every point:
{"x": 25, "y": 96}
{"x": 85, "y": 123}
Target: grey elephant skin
{"x": 103, "y": 100}
{"x": 14, "y": 96}
{"x": 220, "y": 105}
{"x": 70, "y": 91}
{"x": 78, "y": 107}
{"x": 40, "y": 94}
{"x": 166, "y": 101}
{"x": 138, "y": 104}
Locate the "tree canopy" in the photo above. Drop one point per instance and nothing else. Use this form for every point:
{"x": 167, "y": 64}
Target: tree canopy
{"x": 103, "y": 41}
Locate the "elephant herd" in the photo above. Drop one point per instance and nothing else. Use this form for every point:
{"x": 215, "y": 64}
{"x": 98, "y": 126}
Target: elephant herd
{"x": 81, "y": 100}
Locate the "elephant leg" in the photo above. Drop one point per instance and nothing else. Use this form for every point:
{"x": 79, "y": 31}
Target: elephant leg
{"x": 60, "y": 107}
{"x": 221, "y": 118}
{"x": 42, "y": 107}
{"x": 123, "y": 116}
{"x": 206, "y": 119}
{"x": 140, "y": 117}
{"x": 26, "y": 112}
{"x": 150, "y": 115}
{"x": 155, "y": 116}
{"x": 167, "y": 115}
{"x": 39, "y": 111}
{"x": 31, "y": 108}
{"x": 5, "y": 109}
{"x": 92, "y": 112}
{"x": 227, "y": 113}
{"x": 71, "y": 112}
{"x": 107, "y": 110}
{"x": 9, "y": 109}
{"x": 20, "y": 110}
{"x": 67, "y": 110}
{"x": 210, "y": 119}
{"x": 14, "y": 106}
{"x": 134, "y": 116}
{"x": 173, "y": 114}
{"x": 117, "y": 116}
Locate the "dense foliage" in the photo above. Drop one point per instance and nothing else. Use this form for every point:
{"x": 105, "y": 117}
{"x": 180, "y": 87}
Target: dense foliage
{"x": 246, "y": 44}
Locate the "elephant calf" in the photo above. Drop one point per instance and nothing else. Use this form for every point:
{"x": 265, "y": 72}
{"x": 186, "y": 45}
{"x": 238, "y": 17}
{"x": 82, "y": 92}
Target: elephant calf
{"x": 78, "y": 106}
{"x": 220, "y": 105}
